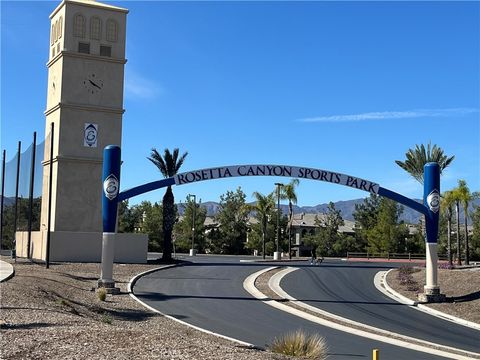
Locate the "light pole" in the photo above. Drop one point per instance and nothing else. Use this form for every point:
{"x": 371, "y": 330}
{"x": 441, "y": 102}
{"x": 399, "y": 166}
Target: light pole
{"x": 277, "y": 254}
{"x": 192, "y": 250}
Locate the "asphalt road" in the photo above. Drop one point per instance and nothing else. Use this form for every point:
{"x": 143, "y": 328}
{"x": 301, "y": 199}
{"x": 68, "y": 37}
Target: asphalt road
{"x": 209, "y": 293}
{"x": 347, "y": 289}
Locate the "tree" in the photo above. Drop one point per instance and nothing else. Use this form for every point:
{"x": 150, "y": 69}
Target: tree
{"x": 418, "y": 157}
{"x": 476, "y": 233}
{"x": 263, "y": 207}
{"x": 152, "y": 224}
{"x": 365, "y": 216}
{"x": 331, "y": 223}
{"x": 327, "y": 241}
{"x": 447, "y": 202}
{"x": 288, "y": 193}
{"x": 457, "y": 218}
{"x": 232, "y": 217}
{"x": 184, "y": 228}
{"x": 464, "y": 196}
{"x": 129, "y": 218}
{"x": 22, "y": 219}
{"x": 169, "y": 164}
{"x": 387, "y": 235}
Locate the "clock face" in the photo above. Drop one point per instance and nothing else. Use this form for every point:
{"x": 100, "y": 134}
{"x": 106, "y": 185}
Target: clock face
{"x": 93, "y": 84}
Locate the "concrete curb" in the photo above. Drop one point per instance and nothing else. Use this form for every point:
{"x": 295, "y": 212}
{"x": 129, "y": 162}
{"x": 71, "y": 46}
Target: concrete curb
{"x": 402, "y": 341}
{"x": 6, "y": 271}
{"x": 382, "y": 286}
{"x": 417, "y": 305}
{"x": 130, "y": 286}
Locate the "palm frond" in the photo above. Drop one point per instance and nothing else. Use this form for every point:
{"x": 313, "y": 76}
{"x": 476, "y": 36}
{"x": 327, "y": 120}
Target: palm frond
{"x": 169, "y": 164}
{"x": 418, "y": 157}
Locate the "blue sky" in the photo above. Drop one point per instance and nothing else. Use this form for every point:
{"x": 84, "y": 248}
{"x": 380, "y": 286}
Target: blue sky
{"x": 341, "y": 86}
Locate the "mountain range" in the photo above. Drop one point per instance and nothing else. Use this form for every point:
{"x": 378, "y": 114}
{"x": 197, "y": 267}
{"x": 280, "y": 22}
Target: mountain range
{"x": 347, "y": 209}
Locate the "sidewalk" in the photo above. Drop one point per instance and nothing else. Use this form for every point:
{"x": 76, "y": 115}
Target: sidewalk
{"x": 6, "y": 271}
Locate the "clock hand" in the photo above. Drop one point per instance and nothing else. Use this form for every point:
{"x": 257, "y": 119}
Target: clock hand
{"x": 91, "y": 82}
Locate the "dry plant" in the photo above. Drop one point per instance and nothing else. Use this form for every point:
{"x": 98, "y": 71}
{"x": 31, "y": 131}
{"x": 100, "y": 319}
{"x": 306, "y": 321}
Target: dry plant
{"x": 299, "y": 344}
{"x": 102, "y": 294}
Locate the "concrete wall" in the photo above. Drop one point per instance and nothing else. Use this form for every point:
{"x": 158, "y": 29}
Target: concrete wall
{"x": 82, "y": 246}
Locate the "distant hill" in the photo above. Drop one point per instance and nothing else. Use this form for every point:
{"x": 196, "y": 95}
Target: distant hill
{"x": 8, "y": 201}
{"x": 347, "y": 209}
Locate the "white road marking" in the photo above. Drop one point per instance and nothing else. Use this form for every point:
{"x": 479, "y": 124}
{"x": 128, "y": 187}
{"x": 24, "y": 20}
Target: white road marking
{"x": 445, "y": 351}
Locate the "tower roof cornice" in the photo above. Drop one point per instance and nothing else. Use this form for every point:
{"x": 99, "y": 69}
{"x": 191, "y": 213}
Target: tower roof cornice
{"x": 89, "y": 3}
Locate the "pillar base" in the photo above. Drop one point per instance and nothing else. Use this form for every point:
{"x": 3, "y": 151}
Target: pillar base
{"x": 431, "y": 295}
{"x": 109, "y": 286}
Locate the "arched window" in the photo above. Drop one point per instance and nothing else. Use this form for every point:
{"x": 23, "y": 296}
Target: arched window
{"x": 52, "y": 35}
{"x": 79, "y": 26}
{"x": 95, "y": 28}
{"x": 60, "y": 27}
{"x": 112, "y": 30}
{"x": 57, "y": 31}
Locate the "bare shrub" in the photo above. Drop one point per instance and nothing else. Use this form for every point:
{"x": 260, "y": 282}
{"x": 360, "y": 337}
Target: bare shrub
{"x": 299, "y": 344}
{"x": 102, "y": 294}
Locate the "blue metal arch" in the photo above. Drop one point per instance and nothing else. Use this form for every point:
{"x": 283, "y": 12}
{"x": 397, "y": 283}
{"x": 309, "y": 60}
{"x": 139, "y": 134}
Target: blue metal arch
{"x": 154, "y": 185}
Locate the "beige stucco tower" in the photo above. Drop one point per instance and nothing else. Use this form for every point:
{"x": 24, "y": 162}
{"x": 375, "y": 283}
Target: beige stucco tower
{"x": 85, "y": 103}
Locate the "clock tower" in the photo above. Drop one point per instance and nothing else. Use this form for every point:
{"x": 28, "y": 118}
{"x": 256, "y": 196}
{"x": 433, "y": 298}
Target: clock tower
{"x": 85, "y": 103}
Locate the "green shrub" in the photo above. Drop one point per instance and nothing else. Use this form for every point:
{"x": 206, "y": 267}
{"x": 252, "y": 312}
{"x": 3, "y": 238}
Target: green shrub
{"x": 102, "y": 294}
{"x": 299, "y": 344}
{"x": 107, "y": 319}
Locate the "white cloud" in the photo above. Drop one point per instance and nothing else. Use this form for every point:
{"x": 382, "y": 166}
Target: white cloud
{"x": 387, "y": 115}
{"x": 137, "y": 86}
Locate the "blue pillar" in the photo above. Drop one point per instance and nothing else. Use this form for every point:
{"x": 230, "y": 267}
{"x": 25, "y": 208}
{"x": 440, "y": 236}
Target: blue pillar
{"x": 431, "y": 200}
{"x": 111, "y": 187}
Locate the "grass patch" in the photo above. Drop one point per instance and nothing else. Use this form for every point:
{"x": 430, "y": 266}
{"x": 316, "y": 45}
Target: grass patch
{"x": 299, "y": 344}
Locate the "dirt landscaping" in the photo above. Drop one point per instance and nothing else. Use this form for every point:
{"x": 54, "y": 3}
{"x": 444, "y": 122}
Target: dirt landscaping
{"x": 56, "y": 314}
{"x": 461, "y": 286}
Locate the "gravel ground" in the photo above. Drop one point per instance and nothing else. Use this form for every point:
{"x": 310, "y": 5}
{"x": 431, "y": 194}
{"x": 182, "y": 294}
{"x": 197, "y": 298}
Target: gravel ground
{"x": 56, "y": 314}
{"x": 461, "y": 286}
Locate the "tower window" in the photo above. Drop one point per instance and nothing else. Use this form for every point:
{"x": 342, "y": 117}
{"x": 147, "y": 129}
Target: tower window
{"x": 58, "y": 48}
{"x": 52, "y": 35}
{"x": 112, "y": 30}
{"x": 84, "y": 47}
{"x": 60, "y": 26}
{"x": 95, "y": 28}
{"x": 57, "y": 30}
{"x": 53, "y": 52}
{"x": 79, "y": 26}
{"x": 105, "y": 50}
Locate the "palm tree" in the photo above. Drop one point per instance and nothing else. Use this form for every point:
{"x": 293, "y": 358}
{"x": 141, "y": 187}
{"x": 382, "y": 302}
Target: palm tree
{"x": 418, "y": 157}
{"x": 264, "y": 205}
{"x": 465, "y": 197}
{"x": 448, "y": 200}
{"x": 288, "y": 193}
{"x": 168, "y": 164}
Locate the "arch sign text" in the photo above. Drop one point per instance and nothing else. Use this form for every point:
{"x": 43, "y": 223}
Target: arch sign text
{"x": 276, "y": 170}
